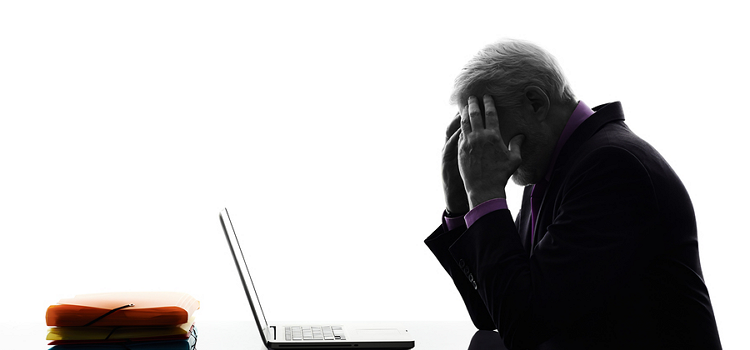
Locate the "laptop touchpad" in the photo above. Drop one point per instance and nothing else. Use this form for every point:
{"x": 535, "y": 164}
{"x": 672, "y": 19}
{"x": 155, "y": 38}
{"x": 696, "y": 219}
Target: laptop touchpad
{"x": 379, "y": 333}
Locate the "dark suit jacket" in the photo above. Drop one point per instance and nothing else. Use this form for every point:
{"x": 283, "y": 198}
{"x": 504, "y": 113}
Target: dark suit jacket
{"x": 614, "y": 262}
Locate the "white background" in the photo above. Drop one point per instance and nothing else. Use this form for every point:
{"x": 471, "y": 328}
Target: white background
{"x": 127, "y": 125}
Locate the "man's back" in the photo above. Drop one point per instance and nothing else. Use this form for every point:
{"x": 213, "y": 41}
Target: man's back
{"x": 657, "y": 297}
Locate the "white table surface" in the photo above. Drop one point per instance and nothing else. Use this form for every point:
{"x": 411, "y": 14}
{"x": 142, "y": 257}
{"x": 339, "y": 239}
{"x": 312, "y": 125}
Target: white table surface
{"x": 433, "y": 335}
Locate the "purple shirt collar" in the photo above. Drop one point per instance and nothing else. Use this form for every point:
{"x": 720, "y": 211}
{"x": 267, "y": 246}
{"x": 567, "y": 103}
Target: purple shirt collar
{"x": 580, "y": 114}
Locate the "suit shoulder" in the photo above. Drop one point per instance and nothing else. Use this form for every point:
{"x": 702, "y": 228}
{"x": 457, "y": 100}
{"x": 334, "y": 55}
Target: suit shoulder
{"x": 615, "y": 143}
{"x": 615, "y": 153}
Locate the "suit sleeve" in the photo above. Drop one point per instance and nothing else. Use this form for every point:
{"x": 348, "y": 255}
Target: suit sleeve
{"x": 598, "y": 240}
{"x": 438, "y": 243}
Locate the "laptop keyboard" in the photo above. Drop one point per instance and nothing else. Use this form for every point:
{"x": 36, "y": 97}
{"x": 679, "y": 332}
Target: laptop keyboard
{"x": 303, "y": 333}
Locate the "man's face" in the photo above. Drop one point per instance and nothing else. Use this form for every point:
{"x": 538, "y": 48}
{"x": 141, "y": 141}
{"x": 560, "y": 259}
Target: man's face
{"x": 536, "y": 148}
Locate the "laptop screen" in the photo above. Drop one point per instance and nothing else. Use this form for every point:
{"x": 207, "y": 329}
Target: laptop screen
{"x": 247, "y": 281}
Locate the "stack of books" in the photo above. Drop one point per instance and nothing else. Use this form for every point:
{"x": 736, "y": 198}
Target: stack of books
{"x": 130, "y": 320}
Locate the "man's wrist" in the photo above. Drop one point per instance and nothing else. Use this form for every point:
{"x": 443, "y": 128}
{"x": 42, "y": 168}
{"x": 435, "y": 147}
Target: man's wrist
{"x": 482, "y": 196}
{"x": 451, "y": 214}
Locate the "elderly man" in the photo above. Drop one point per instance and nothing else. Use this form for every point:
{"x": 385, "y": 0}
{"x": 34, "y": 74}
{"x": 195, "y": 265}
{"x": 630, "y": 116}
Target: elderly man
{"x": 604, "y": 251}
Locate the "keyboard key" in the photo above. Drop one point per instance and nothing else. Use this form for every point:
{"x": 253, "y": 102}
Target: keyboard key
{"x": 317, "y": 333}
{"x": 296, "y": 333}
{"x": 303, "y": 333}
{"x": 328, "y": 333}
{"x": 338, "y": 333}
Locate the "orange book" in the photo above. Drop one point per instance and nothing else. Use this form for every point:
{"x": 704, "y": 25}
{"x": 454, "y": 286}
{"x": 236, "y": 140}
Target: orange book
{"x": 123, "y": 309}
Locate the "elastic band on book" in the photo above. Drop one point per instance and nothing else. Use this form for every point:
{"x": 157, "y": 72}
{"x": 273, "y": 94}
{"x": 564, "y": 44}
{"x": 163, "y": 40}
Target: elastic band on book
{"x": 194, "y": 335}
{"x": 111, "y": 332}
{"x": 107, "y": 314}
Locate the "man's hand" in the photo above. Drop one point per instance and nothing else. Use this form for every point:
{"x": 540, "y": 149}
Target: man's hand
{"x": 485, "y": 163}
{"x": 456, "y": 201}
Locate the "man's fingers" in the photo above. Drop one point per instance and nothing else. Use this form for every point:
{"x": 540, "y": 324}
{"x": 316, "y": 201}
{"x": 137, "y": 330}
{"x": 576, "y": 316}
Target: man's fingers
{"x": 451, "y": 145}
{"x": 475, "y": 114}
{"x": 465, "y": 123}
{"x": 454, "y": 125}
{"x": 514, "y": 147}
{"x": 490, "y": 113}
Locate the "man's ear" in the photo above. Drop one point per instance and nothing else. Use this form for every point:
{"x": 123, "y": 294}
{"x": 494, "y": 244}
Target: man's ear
{"x": 537, "y": 100}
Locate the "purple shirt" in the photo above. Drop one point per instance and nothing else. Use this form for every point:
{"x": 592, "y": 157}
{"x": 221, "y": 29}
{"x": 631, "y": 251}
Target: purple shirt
{"x": 580, "y": 114}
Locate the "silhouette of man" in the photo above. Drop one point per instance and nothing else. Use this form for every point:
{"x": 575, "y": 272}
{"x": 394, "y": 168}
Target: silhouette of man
{"x": 603, "y": 253}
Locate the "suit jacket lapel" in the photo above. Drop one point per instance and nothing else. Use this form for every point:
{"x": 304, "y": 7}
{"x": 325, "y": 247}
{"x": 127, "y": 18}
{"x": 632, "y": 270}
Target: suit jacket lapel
{"x": 523, "y": 219}
{"x": 603, "y": 115}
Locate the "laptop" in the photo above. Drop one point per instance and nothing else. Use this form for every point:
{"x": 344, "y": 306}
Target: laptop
{"x": 310, "y": 336}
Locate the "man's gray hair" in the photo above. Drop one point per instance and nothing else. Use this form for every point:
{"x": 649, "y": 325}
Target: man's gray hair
{"x": 505, "y": 68}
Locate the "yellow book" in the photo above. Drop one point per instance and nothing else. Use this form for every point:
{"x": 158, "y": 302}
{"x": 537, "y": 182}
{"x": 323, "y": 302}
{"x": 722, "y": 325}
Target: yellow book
{"x": 113, "y": 333}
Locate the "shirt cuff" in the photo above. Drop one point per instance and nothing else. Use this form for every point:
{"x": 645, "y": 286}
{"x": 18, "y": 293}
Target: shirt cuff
{"x": 454, "y": 222}
{"x": 481, "y": 210}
